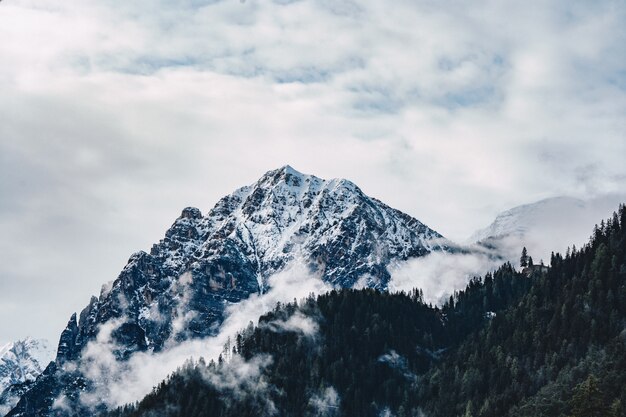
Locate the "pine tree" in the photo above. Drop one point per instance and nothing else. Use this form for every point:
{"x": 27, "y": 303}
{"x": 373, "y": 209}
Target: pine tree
{"x": 523, "y": 260}
{"x": 588, "y": 400}
{"x": 616, "y": 408}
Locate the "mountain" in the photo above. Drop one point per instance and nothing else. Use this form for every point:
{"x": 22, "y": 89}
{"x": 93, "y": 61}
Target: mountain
{"x": 21, "y": 362}
{"x": 544, "y": 226}
{"x": 180, "y": 289}
{"x": 549, "y": 342}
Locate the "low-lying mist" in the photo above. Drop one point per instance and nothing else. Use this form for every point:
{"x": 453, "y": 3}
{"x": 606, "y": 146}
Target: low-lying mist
{"x": 122, "y": 382}
{"x": 117, "y": 383}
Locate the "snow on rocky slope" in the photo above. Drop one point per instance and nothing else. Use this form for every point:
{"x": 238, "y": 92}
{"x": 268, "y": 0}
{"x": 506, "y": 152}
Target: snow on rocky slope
{"x": 180, "y": 289}
{"x": 21, "y": 362}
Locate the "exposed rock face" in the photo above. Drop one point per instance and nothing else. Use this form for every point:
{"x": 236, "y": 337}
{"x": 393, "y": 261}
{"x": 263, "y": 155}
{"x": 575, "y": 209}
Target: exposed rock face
{"x": 179, "y": 290}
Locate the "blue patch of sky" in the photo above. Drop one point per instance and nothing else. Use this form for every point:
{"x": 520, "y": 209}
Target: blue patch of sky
{"x": 495, "y": 64}
{"x": 345, "y": 8}
{"x": 618, "y": 79}
{"x": 594, "y": 73}
{"x": 236, "y": 63}
{"x": 315, "y": 74}
{"x": 373, "y": 99}
{"x": 376, "y": 99}
{"x": 150, "y": 65}
{"x": 487, "y": 89}
{"x": 306, "y": 75}
{"x": 192, "y": 4}
{"x": 498, "y": 61}
{"x": 285, "y": 2}
{"x": 467, "y": 97}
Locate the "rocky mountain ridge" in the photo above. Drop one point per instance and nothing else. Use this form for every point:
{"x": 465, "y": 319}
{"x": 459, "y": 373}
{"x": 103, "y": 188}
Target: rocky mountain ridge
{"x": 179, "y": 290}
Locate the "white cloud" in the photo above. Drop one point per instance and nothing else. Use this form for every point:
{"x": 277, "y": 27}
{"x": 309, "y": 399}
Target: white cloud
{"x": 439, "y": 274}
{"x": 122, "y": 382}
{"x": 547, "y": 226}
{"x": 244, "y": 380}
{"x": 399, "y": 363}
{"x": 297, "y": 323}
{"x": 326, "y": 403}
{"x": 114, "y": 117}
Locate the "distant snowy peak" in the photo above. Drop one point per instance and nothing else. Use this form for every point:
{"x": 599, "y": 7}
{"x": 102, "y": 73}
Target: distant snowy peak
{"x": 522, "y": 219}
{"x": 547, "y": 225}
{"x": 23, "y": 361}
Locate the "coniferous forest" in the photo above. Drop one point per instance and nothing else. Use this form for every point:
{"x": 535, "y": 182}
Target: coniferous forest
{"x": 540, "y": 342}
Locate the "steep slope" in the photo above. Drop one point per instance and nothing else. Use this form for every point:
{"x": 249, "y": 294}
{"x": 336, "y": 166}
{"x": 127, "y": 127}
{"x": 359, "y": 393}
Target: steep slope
{"x": 548, "y": 343}
{"x": 179, "y": 290}
{"x": 21, "y": 362}
{"x": 344, "y": 353}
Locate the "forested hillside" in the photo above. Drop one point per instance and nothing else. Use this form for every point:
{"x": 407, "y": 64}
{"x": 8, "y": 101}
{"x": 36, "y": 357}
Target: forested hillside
{"x": 538, "y": 343}
{"x": 569, "y": 329}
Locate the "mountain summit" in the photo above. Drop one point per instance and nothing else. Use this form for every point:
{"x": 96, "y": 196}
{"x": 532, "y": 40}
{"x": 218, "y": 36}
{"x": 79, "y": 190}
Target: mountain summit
{"x": 285, "y": 216}
{"x": 180, "y": 289}
{"x": 331, "y": 225}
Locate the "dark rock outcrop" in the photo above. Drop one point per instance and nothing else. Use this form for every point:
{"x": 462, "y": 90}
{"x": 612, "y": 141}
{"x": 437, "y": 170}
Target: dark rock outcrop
{"x": 204, "y": 262}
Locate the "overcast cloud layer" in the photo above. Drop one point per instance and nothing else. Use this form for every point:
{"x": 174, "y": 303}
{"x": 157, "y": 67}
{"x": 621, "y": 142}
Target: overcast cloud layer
{"x": 116, "y": 115}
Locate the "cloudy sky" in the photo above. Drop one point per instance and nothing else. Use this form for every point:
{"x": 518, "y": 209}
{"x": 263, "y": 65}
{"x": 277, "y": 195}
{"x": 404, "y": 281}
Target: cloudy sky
{"x": 115, "y": 115}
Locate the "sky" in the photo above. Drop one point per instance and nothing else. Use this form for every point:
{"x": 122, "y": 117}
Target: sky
{"x": 116, "y": 115}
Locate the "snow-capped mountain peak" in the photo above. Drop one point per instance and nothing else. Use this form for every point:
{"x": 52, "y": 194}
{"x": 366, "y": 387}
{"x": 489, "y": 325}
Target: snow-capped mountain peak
{"x": 287, "y": 215}
{"x": 180, "y": 289}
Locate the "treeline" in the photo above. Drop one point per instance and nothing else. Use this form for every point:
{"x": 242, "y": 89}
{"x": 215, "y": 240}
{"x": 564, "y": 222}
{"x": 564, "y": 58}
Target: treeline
{"x": 529, "y": 360}
{"x": 511, "y": 344}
